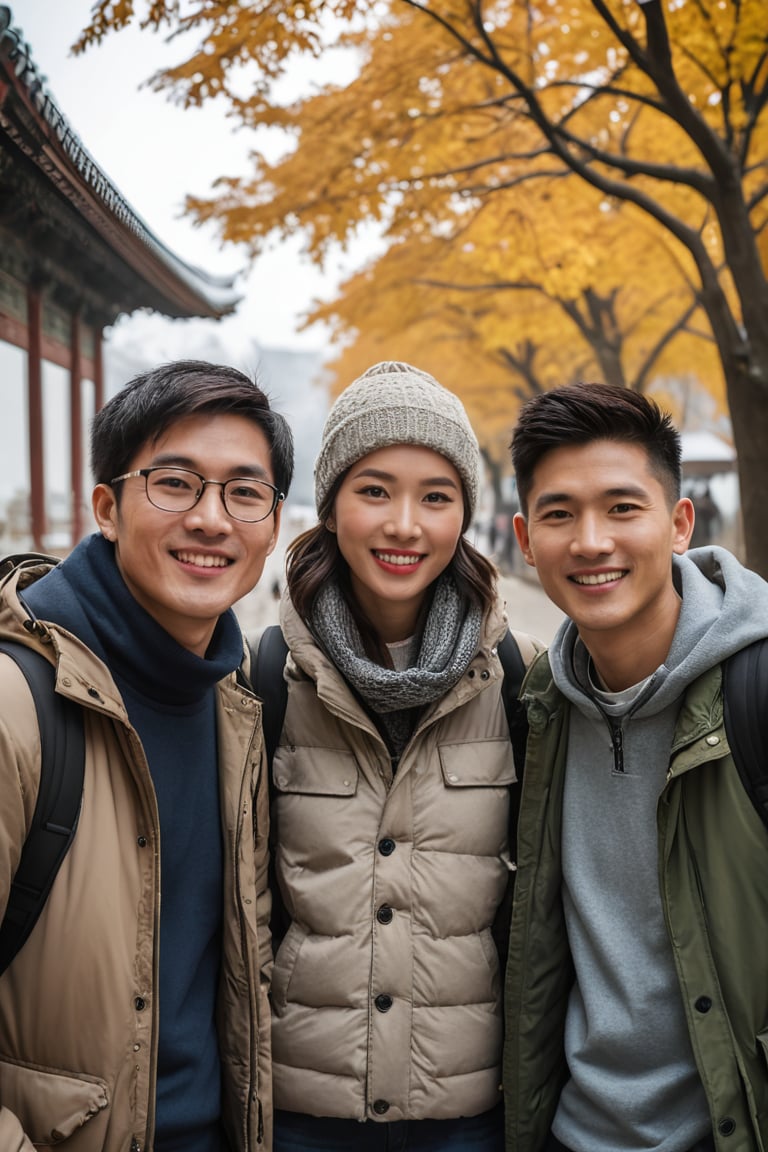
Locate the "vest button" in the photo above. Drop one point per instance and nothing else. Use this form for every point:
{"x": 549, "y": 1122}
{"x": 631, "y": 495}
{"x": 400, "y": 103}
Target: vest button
{"x": 703, "y": 1004}
{"x": 726, "y": 1127}
{"x": 385, "y": 914}
{"x": 140, "y": 1003}
{"x": 380, "y": 1107}
{"x": 383, "y": 1002}
{"x": 142, "y": 841}
{"x": 387, "y": 846}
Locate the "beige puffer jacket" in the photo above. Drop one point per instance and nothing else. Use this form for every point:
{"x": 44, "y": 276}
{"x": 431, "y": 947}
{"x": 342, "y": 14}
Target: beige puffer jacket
{"x": 386, "y": 987}
{"x": 78, "y": 1010}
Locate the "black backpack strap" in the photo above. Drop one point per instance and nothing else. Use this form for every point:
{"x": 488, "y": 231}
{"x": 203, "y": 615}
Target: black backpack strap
{"x": 267, "y": 680}
{"x": 745, "y": 698}
{"x": 62, "y": 768}
{"x": 514, "y": 671}
{"x": 267, "y": 664}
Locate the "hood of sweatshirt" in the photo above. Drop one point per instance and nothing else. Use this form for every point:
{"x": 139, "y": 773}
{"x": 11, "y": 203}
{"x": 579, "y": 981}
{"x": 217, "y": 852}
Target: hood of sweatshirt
{"x": 724, "y": 608}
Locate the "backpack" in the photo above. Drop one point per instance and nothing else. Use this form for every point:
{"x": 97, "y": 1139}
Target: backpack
{"x": 59, "y": 797}
{"x": 745, "y": 693}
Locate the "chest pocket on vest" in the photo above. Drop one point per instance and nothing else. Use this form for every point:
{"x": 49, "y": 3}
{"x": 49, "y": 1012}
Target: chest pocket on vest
{"x": 470, "y": 812}
{"x": 478, "y": 763}
{"x": 315, "y": 771}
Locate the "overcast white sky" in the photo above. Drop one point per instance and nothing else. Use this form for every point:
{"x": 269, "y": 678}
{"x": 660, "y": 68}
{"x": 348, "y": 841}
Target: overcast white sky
{"x": 155, "y": 153}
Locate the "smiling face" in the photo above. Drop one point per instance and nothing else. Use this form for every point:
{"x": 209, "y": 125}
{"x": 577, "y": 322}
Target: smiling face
{"x": 600, "y": 533}
{"x": 398, "y": 518}
{"x": 187, "y": 568}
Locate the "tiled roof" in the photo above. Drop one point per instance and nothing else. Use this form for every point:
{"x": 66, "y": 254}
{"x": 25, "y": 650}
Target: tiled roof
{"x": 31, "y": 118}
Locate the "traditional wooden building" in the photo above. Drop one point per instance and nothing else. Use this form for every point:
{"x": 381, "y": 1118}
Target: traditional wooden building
{"x": 73, "y": 257}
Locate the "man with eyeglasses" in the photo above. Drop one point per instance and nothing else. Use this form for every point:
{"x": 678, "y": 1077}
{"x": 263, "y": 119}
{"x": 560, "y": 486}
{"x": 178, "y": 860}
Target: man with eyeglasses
{"x": 135, "y": 1017}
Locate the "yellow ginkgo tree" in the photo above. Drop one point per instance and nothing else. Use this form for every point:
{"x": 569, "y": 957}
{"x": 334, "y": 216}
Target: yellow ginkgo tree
{"x": 450, "y": 303}
{"x": 659, "y": 106}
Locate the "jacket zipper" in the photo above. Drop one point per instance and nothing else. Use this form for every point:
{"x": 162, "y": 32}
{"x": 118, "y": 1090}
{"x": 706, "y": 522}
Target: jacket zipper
{"x": 140, "y": 779}
{"x": 617, "y": 740}
{"x": 254, "y": 1088}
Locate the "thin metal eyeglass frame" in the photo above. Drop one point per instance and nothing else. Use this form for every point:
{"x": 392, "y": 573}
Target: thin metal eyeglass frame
{"x": 277, "y": 495}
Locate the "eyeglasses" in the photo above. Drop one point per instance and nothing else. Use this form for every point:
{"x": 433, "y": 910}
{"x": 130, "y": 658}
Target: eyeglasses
{"x": 178, "y": 490}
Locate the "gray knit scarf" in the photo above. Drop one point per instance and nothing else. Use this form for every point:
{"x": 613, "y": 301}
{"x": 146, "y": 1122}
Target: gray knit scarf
{"x": 448, "y": 644}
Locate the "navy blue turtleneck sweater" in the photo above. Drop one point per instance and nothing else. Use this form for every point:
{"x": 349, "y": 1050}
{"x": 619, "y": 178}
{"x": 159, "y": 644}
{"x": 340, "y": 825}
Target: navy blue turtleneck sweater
{"x": 169, "y": 694}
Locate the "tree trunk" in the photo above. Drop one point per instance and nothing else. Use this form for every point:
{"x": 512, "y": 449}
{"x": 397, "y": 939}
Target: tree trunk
{"x": 748, "y": 404}
{"x": 605, "y": 336}
{"x": 494, "y": 473}
{"x": 743, "y": 350}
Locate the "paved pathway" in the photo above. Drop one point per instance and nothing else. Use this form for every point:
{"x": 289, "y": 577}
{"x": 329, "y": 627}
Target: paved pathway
{"x": 529, "y": 608}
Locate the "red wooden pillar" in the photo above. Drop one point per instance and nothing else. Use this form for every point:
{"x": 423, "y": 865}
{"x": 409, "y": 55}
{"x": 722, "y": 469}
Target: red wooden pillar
{"x": 35, "y": 414}
{"x": 76, "y": 432}
{"x": 98, "y": 367}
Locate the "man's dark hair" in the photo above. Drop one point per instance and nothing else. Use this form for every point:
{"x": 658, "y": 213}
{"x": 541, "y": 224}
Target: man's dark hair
{"x": 581, "y": 413}
{"x": 152, "y": 401}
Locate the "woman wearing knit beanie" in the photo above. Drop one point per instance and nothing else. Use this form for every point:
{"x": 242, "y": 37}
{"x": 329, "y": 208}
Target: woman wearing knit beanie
{"x": 392, "y": 779}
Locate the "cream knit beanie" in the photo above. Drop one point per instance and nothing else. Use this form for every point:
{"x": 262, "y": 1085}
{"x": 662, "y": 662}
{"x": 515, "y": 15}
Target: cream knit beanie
{"x": 394, "y": 403}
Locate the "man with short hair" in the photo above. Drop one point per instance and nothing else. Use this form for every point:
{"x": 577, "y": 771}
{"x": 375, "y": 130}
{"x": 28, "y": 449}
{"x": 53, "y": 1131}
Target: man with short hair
{"x": 637, "y": 986}
{"x": 135, "y": 1017}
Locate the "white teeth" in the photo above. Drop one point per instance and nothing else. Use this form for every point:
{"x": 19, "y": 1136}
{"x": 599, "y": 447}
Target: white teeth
{"x": 601, "y": 578}
{"x": 393, "y": 558}
{"x": 201, "y": 561}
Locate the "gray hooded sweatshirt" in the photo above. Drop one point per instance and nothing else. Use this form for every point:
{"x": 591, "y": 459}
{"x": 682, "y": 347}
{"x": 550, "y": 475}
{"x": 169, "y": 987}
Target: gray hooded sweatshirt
{"x": 634, "y": 1083}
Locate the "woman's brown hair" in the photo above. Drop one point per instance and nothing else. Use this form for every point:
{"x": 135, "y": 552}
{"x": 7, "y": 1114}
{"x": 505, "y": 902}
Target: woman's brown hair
{"x": 314, "y": 558}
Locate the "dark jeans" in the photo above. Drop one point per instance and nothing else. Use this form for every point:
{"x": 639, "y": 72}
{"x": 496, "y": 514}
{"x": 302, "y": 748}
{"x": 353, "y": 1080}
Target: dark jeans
{"x": 706, "y": 1144}
{"x": 296, "y": 1132}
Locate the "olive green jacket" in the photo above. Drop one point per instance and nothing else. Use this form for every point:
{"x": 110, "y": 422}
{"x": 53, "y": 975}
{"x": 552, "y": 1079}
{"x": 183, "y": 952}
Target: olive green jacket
{"x": 713, "y": 876}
